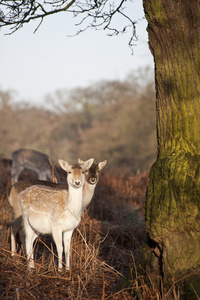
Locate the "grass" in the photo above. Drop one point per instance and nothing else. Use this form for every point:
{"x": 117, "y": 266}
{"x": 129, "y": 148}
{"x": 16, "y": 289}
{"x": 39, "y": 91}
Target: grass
{"x": 104, "y": 247}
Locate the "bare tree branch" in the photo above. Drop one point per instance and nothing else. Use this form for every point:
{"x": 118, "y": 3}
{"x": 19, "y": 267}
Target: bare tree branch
{"x": 96, "y": 14}
{"x": 21, "y": 12}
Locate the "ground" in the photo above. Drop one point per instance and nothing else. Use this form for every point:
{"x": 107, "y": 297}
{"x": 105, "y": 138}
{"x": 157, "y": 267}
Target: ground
{"x": 104, "y": 246}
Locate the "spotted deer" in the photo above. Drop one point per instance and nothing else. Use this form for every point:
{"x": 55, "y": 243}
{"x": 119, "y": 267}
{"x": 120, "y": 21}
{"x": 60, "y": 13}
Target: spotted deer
{"x": 91, "y": 180}
{"x": 48, "y": 210}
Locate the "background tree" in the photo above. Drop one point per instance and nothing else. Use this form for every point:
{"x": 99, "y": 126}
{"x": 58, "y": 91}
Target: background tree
{"x": 172, "y": 210}
{"x": 84, "y": 121}
{"x": 90, "y": 121}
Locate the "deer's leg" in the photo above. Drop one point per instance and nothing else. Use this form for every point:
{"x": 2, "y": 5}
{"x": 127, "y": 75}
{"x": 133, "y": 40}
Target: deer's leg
{"x": 67, "y": 235}
{"x": 57, "y": 236}
{"x": 30, "y": 238}
{"x": 22, "y": 238}
{"x": 15, "y": 172}
{"x": 16, "y": 226}
{"x": 13, "y": 240}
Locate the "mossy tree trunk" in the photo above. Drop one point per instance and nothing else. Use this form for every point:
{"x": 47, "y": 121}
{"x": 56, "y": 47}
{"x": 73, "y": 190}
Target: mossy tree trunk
{"x": 173, "y": 194}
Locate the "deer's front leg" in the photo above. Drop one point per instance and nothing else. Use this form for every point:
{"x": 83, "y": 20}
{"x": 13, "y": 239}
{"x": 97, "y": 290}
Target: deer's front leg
{"x": 67, "y": 235}
{"x": 57, "y": 236}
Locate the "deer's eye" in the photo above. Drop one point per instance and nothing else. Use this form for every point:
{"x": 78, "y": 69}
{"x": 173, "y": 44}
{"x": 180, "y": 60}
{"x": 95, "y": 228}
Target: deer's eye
{"x": 83, "y": 172}
{"x": 69, "y": 172}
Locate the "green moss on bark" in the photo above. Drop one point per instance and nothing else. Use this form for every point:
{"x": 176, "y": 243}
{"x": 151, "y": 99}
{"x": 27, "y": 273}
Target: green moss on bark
{"x": 173, "y": 195}
{"x": 172, "y": 211}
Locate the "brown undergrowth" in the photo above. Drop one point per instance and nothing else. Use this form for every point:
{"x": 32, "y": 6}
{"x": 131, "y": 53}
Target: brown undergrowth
{"x": 104, "y": 247}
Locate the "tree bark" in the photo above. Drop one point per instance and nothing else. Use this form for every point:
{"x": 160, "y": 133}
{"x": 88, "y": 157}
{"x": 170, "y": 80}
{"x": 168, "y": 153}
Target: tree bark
{"x": 173, "y": 194}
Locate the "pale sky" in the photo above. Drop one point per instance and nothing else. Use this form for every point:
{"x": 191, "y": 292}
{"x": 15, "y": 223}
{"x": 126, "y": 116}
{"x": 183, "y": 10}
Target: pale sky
{"x": 35, "y": 65}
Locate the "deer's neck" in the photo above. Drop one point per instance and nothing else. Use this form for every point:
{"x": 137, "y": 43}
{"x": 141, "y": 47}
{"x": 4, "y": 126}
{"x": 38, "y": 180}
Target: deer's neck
{"x": 75, "y": 199}
{"x": 88, "y": 192}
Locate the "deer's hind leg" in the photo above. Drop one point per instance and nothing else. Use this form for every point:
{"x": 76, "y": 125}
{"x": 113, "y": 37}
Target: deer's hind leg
{"x": 29, "y": 240}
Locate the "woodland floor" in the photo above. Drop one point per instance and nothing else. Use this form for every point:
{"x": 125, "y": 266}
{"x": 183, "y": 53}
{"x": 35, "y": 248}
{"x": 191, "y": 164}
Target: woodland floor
{"x": 104, "y": 247}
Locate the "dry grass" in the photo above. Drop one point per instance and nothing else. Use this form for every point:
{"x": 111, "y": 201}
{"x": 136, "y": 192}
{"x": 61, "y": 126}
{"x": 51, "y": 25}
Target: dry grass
{"x": 104, "y": 247}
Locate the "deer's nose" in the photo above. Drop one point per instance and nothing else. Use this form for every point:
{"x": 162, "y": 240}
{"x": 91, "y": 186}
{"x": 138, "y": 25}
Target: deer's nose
{"x": 77, "y": 182}
{"x": 93, "y": 180}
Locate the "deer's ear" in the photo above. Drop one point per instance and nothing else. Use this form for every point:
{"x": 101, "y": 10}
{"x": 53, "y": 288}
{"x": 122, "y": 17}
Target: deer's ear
{"x": 64, "y": 164}
{"x": 102, "y": 164}
{"x": 87, "y": 164}
{"x": 80, "y": 161}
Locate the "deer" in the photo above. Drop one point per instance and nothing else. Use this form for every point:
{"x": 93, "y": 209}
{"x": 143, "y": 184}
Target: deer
{"x": 91, "y": 179}
{"x": 32, "y": 160}
{"x": 48, "y": 210}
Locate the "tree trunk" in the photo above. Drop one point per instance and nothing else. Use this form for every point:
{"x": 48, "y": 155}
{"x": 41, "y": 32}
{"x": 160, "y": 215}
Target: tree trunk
{"x": 173, "y": 194}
